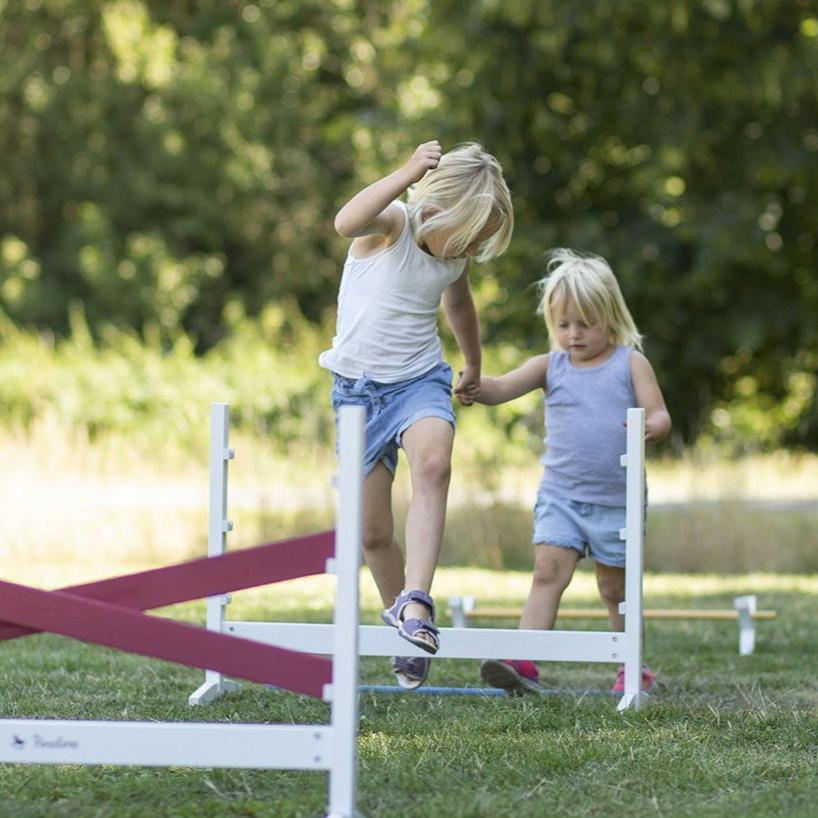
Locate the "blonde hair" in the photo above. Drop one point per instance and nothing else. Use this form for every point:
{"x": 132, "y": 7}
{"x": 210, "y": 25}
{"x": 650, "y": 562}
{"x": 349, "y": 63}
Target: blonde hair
{"x": 587, "y": 283}
{"x": 463, "y": 194}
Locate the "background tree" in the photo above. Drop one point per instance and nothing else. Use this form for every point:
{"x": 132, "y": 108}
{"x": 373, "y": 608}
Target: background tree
{"x": 164, "y": 160}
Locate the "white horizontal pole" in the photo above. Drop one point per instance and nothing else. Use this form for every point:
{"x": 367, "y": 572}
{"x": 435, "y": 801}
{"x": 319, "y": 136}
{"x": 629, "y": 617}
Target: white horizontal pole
{"x": 260, "y": 746}
{"x": 455, "y": 643}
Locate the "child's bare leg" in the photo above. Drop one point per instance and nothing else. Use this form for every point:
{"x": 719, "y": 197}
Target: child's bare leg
{"x": 428, "y": 447}
{"x": 553, "y": 569}
{"x": 611, "y": 584}
{"x": 382, "y": 553}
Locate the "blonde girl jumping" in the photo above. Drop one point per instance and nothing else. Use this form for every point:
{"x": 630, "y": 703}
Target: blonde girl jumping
{"x": 405, "y": 258}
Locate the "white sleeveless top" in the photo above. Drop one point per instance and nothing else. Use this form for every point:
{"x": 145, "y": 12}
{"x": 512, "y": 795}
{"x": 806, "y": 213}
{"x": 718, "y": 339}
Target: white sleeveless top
{"x": 387, "y": 312}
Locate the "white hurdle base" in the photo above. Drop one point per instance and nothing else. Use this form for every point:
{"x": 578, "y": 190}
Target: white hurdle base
{"x": 215, "y": 685}
{"x": 257, "y": 746}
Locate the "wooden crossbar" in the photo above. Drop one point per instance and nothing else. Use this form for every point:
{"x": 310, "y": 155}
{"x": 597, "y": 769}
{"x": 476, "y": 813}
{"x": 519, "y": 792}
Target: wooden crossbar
{"x": 599, "y": 613}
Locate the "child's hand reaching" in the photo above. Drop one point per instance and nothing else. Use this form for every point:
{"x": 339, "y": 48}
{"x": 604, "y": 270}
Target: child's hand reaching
{"x": 425, "y": 157}
{"x": 467, "y": 387}
{"x": 656, "y": 428}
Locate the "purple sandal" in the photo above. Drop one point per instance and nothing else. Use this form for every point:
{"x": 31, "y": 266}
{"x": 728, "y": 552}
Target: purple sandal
{"x": 413, "y": 630}
{"x": 410, "y": 671}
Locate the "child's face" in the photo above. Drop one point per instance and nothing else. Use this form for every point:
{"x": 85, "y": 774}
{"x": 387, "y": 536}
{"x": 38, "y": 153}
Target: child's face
{"x": 436, "y": 241}
{"x": 584, "y": 343}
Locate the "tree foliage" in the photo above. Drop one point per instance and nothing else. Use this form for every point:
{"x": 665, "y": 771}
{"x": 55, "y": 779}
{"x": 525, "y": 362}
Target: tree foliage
{"x": 161, "y": 160}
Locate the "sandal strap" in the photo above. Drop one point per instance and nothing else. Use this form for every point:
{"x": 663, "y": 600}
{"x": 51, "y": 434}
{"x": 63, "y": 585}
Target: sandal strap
{"x": 406, "y": 597}
{"x": 415, "y": 666}
{"x": 412, "y": 626}
{"x": 416, "y": 628}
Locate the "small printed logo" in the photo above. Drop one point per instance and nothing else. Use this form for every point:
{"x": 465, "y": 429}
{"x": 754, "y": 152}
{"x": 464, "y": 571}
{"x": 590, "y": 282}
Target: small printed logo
{"x": 38, "y": 742}
{"x": 59, "y": 743}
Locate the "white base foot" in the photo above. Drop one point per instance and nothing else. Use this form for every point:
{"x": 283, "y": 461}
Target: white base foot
{"x": 212, "y": 690}
{"x": 633, "y": 701}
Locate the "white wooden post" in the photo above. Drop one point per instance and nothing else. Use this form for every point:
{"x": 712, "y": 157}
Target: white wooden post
{"x": 746, "y": 607}
{"x": 344, "y": 690}
{"x": 218, "y": 526}
{"x": 634, "y": 535}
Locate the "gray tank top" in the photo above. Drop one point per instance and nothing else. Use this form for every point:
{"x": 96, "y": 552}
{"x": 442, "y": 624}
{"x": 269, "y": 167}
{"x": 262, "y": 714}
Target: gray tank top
{"x": 585, "y": 412}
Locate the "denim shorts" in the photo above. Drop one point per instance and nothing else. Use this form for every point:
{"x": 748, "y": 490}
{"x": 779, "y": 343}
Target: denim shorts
{"x": 391, "y": 408}
{"x": 590, "y": 529}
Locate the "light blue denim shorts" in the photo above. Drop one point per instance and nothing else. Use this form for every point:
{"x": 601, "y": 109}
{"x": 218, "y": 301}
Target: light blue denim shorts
{"x": 391, "y": 408}
{"x": 590, "y": 529}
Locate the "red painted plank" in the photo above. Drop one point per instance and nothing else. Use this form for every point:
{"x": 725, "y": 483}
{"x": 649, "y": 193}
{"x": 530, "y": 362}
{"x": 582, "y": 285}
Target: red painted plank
{"x": 234, "y": 571}
{"x": 116, "y": 627}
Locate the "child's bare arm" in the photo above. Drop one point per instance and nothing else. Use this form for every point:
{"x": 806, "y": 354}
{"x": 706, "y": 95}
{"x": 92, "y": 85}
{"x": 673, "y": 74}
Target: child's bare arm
{"x": 649, "y": 397}
{"x": 526, "y": 378}
{"x": 461, "y": 314}
{"x": 367, "y": 213}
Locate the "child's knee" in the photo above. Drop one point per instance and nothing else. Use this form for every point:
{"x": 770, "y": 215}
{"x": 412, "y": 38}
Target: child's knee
{"x": 432, "y": 468}
{"x": 376, "y": 538}
{"x": 611, "y": 585}
{"x": 551, "y": 575}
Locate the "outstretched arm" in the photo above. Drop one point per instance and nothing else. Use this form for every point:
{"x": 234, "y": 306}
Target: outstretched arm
{"x": 367, "y": 213}
{"x": 461, "y": 314}
{"x": 526, "y": 378}
{"x": 649, "y": 397}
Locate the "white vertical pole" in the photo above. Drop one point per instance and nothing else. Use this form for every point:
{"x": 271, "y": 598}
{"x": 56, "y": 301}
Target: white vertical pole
{"x": 344, "y": 692}
{"x": 218, "y": 525}
{"x": 634, "y": 462}
{"x": 746, "y": 607}
{"x": 459, "y": 618}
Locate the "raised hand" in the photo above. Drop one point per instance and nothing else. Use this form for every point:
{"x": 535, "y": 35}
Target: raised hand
{"x": 425, "y": 157}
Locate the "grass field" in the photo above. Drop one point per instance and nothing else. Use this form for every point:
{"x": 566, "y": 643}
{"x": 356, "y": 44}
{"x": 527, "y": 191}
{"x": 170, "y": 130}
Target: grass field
{"x": 723, "y": 735}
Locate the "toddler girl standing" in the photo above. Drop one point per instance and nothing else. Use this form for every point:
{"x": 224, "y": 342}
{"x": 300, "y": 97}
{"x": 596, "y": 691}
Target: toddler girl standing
{"x": 386, "y": 355}
{"x": 593, "y": 375}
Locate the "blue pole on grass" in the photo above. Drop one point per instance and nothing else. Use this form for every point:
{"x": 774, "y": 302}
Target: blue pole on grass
{"x": 435, "y": 691}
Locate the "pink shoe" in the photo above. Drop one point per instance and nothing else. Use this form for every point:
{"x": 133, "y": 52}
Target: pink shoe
{"x": 517, "y": 676}
{"x": 648, "y": 679}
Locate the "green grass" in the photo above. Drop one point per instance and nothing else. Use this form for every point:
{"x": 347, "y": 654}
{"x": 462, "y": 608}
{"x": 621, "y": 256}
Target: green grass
{"x": 724, "y": 735}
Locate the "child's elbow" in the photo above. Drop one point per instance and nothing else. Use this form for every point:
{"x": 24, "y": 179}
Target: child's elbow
{"x": 342, "y": 226}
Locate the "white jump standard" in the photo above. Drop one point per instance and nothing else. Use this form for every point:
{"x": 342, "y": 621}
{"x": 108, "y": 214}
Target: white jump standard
{"x": 331, "y": 747}
{"x": 618, "y": 647}
{"x": 463, "y": 609}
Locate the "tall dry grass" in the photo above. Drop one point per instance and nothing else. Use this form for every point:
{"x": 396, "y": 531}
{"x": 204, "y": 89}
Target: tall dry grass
{"x": 77, "y": 509}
